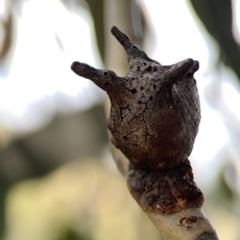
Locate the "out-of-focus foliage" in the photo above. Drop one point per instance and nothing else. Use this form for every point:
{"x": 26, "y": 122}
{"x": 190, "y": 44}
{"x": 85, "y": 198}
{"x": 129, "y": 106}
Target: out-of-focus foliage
{"x": 6, "y": 25}
{"x": 96, "y": 8}
{"x": 97, "y": 11}
{"x": 217, "y": 17}
{"x": 86, "y": 198}
{"x": 65, "y": 138}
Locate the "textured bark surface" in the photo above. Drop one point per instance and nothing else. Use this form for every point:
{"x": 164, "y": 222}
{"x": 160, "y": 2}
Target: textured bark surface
{"x": 155, "y": 109}
{"x": 165, "y": 191}
{"x": 154, "y": 119}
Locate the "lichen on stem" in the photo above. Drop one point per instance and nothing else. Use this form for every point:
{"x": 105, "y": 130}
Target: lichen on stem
{"x": 154, "y": 119}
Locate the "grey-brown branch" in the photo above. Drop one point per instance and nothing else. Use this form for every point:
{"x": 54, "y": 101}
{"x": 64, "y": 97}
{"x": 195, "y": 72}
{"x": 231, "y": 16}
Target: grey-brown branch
{"x": 154, "y": 119}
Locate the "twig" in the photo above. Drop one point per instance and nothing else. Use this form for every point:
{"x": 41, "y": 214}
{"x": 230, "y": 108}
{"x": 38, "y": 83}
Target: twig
{"x": 154, "y": 119}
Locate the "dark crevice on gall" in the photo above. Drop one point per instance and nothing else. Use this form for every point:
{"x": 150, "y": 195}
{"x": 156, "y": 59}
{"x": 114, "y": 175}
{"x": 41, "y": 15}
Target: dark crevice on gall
{"x": 134, "y": 47}
{"x": 139, "y": 102}
{"x": 133, "y": 91}
{"x": 105, "y": 73}
{"x": 189, "y": 75}
{"x": 106, "y": 84}
{"x": 138, "y": 68}
{"x": 125, "y": 137}
{"x": 154, "y": 86}
{"x": 149, "y": 68}
{"x": 133, "y": 78}
{"x": 155, "y": 69}
{"x": 150, "y": 98}
{"x": 141, "y": 88}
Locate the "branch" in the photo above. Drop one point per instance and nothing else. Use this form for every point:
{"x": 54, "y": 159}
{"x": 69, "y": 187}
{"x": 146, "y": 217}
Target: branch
{"x": 154, "y": 119}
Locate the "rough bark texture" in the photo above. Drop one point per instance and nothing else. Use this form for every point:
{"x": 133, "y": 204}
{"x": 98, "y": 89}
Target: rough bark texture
{"x": 154, "y": 119}
{"x": 165, "y": 191}
{"x": 155, "y": 109}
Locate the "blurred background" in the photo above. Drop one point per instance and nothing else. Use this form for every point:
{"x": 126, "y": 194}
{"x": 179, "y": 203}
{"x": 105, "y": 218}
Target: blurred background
{"x": 58, "y": 180}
